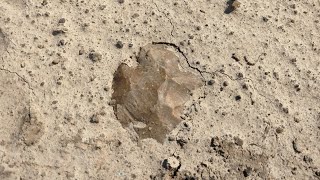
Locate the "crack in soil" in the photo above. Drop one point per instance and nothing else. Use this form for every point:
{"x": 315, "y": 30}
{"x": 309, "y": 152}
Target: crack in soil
{"x": 28, "y": 84}
{"x": 170, "y": 20}
{"x": 183, "y": 54}
{"x": 212, "y": 73}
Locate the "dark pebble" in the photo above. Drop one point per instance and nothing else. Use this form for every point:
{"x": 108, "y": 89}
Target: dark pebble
{"x": 238, "y": 98}
{"x": 58, "y": 32}
{"x": 94, "y": 119}
{"x": 119, "y": 44}
{"x": 225, "y": 84}
{"x": 62, "y": 20}
{"x": 279, "y": 130}
{"x": 247, "y": 172}
{"x": 265, "y": 19}
{"x": 121, "y": 1}
{"x": 210, "y": 83}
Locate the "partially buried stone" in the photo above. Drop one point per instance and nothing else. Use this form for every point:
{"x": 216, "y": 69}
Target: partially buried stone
{"x": 151, "y": 97}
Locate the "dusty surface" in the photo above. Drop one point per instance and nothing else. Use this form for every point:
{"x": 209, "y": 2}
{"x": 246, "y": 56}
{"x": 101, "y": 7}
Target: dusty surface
{"x": 257, "y": 117}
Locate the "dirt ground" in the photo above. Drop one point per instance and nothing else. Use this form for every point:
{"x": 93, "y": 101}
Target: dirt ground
{"x": 257, "y": 115}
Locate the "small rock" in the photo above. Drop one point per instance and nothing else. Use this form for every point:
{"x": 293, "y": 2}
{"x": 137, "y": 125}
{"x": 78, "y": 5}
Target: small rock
{"x": 279, "y": 130}
{"x": 44, "y": 2}
{"x": 210, "y": 82}
{"x": 55, "y": 61}
{"x": 296, "y": 146}
{"x": 58, "y": 32}
{"x": 238, "y": 98}
{"x": 265, "y": 19}
{"x": 94, "y": 119}
{"x": 171, "y": 138}
{"x": 307, "y": 159}
{"x": 94, "y": 56}
{"x": 238, "y": 141}
{"x": 286, "y": 110}
{"x": 225, "y": 84}
{"x": 182, "y": 141}
{"x": 247, "y": 172}
{"x": 119, "y": 45}
{"x": 102, "y": 7}
{"x": 81, "y": 51}
{"x": 215, "y": 142}
{"x": 171, "y": 163}
{"x": 61, "y": 42}
{"x": 120, "y": 1}
{"x": 62, "y": 20}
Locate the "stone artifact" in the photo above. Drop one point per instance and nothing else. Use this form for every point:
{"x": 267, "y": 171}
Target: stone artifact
{"x": 151, "y": 97}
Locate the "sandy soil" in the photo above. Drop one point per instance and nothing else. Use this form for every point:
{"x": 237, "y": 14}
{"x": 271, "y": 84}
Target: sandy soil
{"x": 257, "y": 116}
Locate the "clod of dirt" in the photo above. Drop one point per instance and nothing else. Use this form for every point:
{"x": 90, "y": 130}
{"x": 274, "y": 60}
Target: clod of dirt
{"x": 94, "y": 56}
{"x": 151, "y": 96}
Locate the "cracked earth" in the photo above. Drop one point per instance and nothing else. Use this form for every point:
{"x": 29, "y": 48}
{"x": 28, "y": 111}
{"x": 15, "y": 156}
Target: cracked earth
{"x": 256, "y": 115}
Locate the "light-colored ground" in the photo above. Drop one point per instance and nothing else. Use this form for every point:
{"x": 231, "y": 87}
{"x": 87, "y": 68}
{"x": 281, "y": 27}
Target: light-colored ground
{"x": 265, "y": 54}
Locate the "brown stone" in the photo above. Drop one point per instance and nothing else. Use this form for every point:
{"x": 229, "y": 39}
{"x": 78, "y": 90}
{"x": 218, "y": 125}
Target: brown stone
{"x": 152, "y": 95}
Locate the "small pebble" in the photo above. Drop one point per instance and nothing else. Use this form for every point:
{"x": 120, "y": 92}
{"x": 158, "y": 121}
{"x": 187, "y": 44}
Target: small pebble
{"x": 55, "y": 61}
{"x": 238, "y": 141}
{"x": 210, "y": 83}
{"x": 119, "y": 44}
{"x": 62, "y": 20}
{"x": 247, "y": 172}
{"x": 279, "y": 130}
{"x": 94, "y": 119}
{"x": 225, "y": 84}
{"x": 296, "y": 146}
{"x": 265, "y": 19}
{"x": 102, "y": 7}
{"x": 238, "y": 98}
{"x": 81, "y": 51}
{"x": 121, "y": 1}
{"x": 58, "y": 32}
